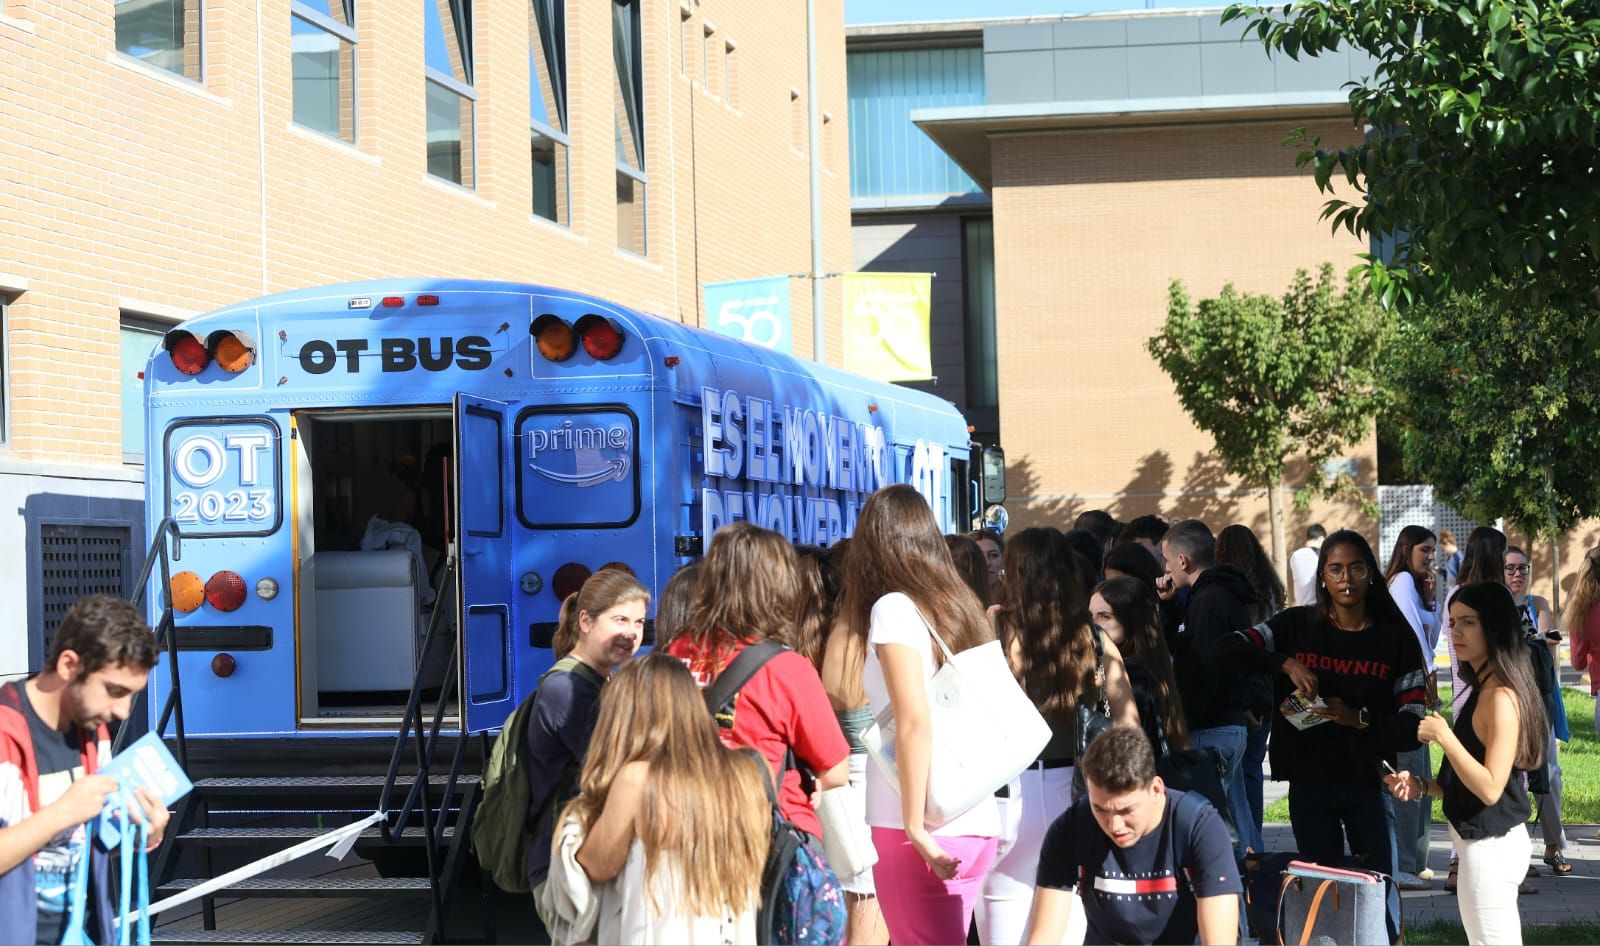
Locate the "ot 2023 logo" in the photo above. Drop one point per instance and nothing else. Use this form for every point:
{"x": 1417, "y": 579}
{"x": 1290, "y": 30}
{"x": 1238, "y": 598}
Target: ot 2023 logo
{"x": 223, "y": 478}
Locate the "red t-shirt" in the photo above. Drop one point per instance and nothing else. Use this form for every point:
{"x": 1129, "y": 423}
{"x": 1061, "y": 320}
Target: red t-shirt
{"x": 783, "y": 706}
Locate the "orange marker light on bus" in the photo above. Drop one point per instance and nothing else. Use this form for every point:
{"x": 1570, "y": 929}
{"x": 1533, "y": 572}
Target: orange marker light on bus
{"x": 187, "y": 592}
{"x": 554, "y": 337}
{"x": 233, "y": 352}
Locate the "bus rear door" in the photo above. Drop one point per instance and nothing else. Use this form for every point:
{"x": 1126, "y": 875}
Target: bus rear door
{"x": 484, "y": 540}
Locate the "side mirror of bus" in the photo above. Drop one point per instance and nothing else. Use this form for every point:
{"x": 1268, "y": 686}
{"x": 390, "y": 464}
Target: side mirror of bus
{"x": 994, "y": 476}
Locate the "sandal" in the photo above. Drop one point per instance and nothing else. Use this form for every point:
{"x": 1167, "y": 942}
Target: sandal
{"x": 1450, "y": 881}
{"x": 1558, "y": 864}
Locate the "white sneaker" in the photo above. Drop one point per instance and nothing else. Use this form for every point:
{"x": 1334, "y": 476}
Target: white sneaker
{"x": 1426, "y": 873}
{"x": 1411, "y": 882}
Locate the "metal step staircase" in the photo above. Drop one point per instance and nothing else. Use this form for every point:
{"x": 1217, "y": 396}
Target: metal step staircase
{"x": 419, "y": 852}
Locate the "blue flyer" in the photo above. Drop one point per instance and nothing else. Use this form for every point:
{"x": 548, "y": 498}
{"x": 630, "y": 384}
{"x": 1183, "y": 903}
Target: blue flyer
{"x": 145, "y": 764}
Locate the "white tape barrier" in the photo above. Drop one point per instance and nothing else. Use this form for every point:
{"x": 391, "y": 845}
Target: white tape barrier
{"x": 340, "y": 839}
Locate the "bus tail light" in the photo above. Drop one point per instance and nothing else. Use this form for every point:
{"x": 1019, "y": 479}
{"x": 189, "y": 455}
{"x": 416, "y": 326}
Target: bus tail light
{"x": 189, "y": 354}
{"x": 568, "y": 579}
{"x": 554, "y": 337}
{"x": 186, "y": 592}
{"x": 225, "y": 591}
{"x": 232, "y": 351}
{"x": 602, "y": 338}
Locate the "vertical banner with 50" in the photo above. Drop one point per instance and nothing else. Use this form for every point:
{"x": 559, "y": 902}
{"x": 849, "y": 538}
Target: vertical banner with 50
{"x": 886, "y": 325}
{"x": 751, "y": 310}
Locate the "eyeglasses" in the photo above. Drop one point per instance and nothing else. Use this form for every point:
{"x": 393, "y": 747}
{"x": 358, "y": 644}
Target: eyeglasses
{"x": 1518, "y": 569}
{"x": 1357, "y": 571}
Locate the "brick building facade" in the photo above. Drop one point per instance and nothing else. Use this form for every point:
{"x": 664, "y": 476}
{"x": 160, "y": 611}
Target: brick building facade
{"x": 166, "y": 157}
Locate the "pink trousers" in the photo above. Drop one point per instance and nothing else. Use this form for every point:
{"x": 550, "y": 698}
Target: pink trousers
{"x": 918, "y": 907}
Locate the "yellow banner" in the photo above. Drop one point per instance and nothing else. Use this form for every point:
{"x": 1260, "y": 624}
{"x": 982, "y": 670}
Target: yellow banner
{"x": 886, "y": 325}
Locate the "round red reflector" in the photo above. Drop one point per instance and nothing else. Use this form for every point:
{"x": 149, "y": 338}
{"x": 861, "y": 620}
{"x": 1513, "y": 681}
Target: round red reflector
{"x": 189, "y": 356}
{"x": 554, "y": 337}
{"x": 601, "y": 337}
{"x": 568, "y": 579}
{"x": 225, "y": 591}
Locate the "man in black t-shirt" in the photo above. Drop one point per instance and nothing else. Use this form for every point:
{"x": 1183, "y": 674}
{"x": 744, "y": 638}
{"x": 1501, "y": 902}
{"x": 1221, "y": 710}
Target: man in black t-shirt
{"x": 1145, "y": 864}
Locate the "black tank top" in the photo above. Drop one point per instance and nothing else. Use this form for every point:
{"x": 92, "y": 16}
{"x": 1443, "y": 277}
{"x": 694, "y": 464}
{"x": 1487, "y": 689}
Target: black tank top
{"x": 1465, "y": 811}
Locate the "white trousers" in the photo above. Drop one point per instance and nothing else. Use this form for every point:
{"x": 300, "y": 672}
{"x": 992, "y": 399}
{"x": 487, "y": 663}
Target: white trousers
{"x": 1038, "y": 798}
{"x": 1490, "y": 870}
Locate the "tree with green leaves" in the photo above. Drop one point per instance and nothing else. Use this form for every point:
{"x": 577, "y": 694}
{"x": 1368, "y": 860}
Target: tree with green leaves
{"x": 1496, "y": 418}
{"x": 1271, "y": 378}
{"x": 1484, "y": 118}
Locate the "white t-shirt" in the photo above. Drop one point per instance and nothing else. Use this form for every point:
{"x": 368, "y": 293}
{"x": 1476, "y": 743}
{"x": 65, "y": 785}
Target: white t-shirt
{"x": 1303, "y": 569}
{"x": 1424, "y": 623}
{"x": 895, "y": 621}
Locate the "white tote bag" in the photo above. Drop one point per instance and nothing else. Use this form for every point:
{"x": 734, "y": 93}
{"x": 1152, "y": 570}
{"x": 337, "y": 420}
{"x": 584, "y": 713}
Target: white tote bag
{"x": 985, "y": 731}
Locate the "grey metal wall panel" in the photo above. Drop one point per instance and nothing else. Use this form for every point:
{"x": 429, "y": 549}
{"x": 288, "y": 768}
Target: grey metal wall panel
{"x": 1162, "y": 71}
{"x": 1016, "y": 37}
{"x": 1164, "y": 30}
{"x": 1090, "y": 74}
{"x": 1319, "y": 74}
{"x": 1011, "y": 78}
{"x": 1088, "y": 33}
{"x": 1230, "y": 69}
{"x": 1213, "y": 30}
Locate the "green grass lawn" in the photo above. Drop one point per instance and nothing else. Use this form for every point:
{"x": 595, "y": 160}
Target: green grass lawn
{"x": 1580, "y": 767}
{"x": 1534, "y": 934}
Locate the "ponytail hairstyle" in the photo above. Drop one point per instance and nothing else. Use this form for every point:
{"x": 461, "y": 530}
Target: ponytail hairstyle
{"x": 601, "y": 592}
{"x": 1506, "y": 659}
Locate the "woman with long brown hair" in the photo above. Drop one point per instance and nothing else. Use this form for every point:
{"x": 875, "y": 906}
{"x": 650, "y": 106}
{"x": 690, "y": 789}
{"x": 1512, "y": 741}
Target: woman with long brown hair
{"x": 1500, "y": 730}
{"x": 1128, "y": 612}
{"x": 749, "y": 591}
{"x": 1580, "y": 620}
{"x": 674, "y": 825}
{"x": 900, "y": 588}
{"x": 1043, "y": 619}
{"x": 1483, "y": 559}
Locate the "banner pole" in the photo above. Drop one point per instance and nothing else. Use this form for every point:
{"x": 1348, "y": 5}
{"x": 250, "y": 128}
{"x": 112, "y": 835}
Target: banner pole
{"x": 818, "y": 348}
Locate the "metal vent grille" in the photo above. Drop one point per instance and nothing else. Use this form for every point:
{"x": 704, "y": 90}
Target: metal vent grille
{"x": 80, "y": 560}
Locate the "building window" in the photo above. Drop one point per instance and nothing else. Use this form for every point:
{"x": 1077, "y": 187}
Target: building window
{"x": 977, "y": 265}
{"x": 447, "y": 48}
{"x": 163, "y": 33}
{"x": 709, "y": 60}
{"x": 628, "y": 107}
{"x": 140, "y": 337}
{"x": 685, "y": 40}
{"x": 322, "y": 37}
{"x": 730, "y": 85}
{"x": 547, "y": 108}
{"x": 5, "y": 369}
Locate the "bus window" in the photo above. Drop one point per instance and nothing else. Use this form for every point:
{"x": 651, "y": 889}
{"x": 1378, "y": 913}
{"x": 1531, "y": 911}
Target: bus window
{"x": 579, "y": 467}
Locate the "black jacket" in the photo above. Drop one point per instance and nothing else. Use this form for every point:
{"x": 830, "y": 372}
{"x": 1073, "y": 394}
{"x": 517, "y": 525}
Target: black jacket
{"x": 1218, "y": 607}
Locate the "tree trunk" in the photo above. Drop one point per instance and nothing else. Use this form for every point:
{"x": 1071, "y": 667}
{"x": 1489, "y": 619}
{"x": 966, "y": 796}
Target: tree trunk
{"x": 1280, "y": 554}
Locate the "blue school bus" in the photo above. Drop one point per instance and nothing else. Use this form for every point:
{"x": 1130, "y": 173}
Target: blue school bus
{"x": 325, "y": 451}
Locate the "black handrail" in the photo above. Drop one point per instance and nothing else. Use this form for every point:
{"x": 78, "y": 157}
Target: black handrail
{"x": 166, "y": 636}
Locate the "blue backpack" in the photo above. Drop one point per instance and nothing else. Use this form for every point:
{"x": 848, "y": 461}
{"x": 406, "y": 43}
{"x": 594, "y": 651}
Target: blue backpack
{"x": 802, "y": 903}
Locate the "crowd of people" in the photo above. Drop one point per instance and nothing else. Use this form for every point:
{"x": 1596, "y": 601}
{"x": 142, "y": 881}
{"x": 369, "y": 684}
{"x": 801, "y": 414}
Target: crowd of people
{"x": 654, "y": 782}
{"x": 1188, "y": 641}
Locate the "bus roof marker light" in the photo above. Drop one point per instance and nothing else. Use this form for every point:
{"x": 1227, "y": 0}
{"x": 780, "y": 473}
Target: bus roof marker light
{"x": 554, "y": 337}
{"x": 189, "y": 354}
{"x": 393, "y": 302}
{"x": 602, "y": 338}
{"x": 427, "y": 300}
{"x": 232, "y": 351}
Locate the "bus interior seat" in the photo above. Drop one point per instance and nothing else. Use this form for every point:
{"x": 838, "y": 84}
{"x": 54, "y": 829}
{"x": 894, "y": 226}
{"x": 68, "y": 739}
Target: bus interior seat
{"x": 369, "y": 626}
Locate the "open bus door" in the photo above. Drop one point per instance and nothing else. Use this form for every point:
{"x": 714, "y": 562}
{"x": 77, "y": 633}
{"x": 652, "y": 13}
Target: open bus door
{"x": 483, "y": 539}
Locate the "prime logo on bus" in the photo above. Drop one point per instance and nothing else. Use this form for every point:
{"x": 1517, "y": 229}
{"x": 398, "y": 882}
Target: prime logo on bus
{"x": 222, "y": 478}
{"x": 396, "y": 354}
{"x": 579, "y": 454}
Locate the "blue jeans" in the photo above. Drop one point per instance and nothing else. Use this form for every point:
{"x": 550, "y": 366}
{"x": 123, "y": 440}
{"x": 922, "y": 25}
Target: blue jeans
{"x": 1229, "y": 741}
{"x": 1412, "y": 819}
{"x": 1324, "y": 817}
{"x": 1250, "y": 770}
